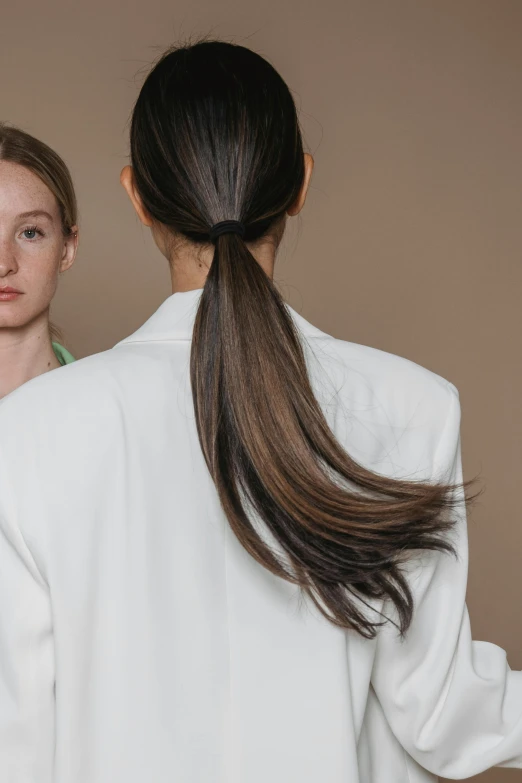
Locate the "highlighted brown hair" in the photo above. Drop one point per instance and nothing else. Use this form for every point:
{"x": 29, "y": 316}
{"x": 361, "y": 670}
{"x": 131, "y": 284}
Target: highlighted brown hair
{"x": 214, "y": 137}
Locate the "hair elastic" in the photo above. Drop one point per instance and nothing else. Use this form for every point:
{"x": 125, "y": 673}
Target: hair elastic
{"x": 226, "y": 227}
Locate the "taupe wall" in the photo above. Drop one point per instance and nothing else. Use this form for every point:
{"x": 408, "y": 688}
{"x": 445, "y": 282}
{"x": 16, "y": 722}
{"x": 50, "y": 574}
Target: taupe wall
{"x": 412, "y": 236}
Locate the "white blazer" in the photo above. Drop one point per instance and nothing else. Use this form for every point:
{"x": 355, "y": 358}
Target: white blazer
{"x": 139, "y": 642}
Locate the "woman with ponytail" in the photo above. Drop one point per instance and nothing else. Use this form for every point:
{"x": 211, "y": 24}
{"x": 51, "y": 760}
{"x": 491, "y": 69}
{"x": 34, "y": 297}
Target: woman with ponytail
{"x": 255, "y": 568}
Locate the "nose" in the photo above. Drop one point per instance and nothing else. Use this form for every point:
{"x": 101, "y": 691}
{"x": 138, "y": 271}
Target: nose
{"x": 8, "y": 262}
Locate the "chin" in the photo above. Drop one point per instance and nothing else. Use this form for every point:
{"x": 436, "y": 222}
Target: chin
{"x": 24, "y": 314}
{"x": 10, "y": 319}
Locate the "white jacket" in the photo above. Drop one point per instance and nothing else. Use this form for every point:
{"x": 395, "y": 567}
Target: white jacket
{"x": 139, "y": 643}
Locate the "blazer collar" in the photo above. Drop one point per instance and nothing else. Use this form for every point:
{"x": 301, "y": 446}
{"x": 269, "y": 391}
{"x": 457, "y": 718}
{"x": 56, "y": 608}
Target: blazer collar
{"x": 174, "y": 320}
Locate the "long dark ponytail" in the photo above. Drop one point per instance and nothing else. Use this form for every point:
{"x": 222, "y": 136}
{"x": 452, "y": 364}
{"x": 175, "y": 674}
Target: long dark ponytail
{"x": 215, "y": 137}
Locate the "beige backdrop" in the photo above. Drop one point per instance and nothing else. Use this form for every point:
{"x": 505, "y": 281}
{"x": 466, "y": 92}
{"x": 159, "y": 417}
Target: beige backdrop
{"x": 412, "y": 235}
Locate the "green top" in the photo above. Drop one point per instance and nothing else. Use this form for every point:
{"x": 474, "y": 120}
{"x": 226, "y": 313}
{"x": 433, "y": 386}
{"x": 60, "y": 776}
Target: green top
{"x": 62, "y": 354}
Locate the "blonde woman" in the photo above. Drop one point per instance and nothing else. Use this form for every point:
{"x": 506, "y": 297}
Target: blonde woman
{"x": 38, "y": 241}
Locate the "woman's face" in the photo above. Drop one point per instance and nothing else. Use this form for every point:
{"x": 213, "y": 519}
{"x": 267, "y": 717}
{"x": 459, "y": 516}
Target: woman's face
{"x": 33, "y": 248}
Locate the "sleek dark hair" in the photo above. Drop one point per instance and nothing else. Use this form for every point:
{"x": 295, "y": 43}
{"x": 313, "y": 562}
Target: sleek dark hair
{"x": 215, "y": 136}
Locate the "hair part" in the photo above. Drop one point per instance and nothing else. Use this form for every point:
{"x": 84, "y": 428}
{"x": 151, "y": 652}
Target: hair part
{"x": 215, "y": 136}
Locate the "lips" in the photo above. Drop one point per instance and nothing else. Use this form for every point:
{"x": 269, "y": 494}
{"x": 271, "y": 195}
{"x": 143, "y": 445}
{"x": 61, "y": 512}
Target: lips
{"x": 8, "y": 294}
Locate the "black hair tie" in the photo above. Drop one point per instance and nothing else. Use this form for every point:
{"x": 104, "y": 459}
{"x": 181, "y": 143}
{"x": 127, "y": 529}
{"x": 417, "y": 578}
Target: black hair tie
{"x": 226, "y": 227}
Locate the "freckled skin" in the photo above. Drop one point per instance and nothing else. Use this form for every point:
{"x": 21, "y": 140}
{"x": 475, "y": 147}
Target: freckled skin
{"x": 31, "y": 265}
{"x": 33, "y": 252}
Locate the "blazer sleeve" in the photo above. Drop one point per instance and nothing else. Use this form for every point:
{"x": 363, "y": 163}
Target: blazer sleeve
{"x": 453, "y": 703}
{"x": 26, "y": 656}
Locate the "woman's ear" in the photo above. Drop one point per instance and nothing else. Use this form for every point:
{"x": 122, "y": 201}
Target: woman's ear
{"x": 70, "y": 247}
{"x": 127, "y": 180}
{"x": 300, "y": 200}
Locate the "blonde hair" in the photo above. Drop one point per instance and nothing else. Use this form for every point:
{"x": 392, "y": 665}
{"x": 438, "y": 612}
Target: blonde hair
{"x": 17, "y": 146}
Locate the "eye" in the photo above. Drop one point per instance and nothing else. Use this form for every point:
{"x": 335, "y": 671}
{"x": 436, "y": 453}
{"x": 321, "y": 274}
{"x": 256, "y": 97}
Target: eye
{"x": 32, "y": 232}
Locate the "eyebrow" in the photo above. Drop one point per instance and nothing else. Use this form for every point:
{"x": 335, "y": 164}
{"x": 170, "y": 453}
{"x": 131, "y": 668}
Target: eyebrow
{"x": 36, "y": 213}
